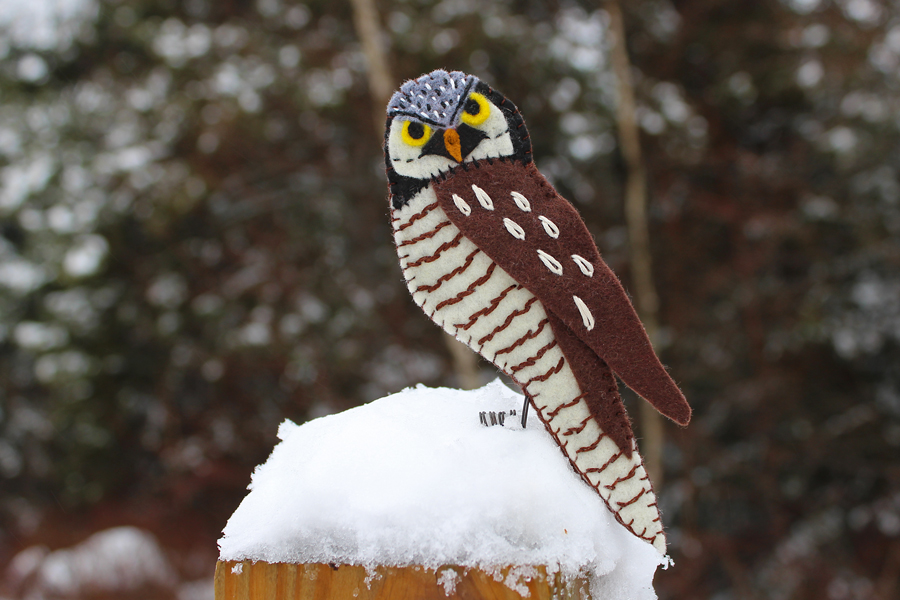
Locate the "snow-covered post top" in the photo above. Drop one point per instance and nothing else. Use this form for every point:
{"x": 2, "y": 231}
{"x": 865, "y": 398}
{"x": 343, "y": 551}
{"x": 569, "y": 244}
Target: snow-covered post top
{"x": 422, "y": 486}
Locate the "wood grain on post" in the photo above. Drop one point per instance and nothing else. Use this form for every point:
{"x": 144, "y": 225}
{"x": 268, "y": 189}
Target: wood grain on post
{"x": 249, "y": 580}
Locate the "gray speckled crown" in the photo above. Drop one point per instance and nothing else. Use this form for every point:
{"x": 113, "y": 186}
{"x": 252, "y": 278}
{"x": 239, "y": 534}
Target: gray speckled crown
{"x": 435, "y": 97}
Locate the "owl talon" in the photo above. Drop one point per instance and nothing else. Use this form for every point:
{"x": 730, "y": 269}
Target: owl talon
{"x": 525, "y": 413}
{"x": 491, "y": 418}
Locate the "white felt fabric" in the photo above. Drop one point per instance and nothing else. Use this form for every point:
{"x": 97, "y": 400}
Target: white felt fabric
{"x": 408, "y": 160}
{"x": 470, "y": 297}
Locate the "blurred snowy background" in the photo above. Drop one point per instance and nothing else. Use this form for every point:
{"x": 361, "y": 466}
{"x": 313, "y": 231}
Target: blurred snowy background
{"x": 194, "y": 245}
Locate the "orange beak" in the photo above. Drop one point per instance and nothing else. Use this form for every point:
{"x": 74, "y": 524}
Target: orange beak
{"x": 452, "y": 144}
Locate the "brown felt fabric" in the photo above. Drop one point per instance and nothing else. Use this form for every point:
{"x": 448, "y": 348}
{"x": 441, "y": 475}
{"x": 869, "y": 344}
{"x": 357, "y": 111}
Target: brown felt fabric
{"x": 597, "y": 383}
{"x": 618, "y": 336}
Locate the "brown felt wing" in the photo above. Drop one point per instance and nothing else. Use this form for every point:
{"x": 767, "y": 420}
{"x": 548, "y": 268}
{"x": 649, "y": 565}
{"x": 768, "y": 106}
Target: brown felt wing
{"x": 541, "y": 241}
{"x": 597, "y": 384}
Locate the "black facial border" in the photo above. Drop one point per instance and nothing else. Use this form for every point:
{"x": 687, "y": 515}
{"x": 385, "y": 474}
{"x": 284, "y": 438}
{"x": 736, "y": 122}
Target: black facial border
{"x": 404, "y": 188}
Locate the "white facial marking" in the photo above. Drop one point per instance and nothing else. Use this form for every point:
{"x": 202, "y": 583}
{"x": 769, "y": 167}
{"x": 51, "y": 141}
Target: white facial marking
{"x": 408, "y": 160}
{"x": 498, "y": 142}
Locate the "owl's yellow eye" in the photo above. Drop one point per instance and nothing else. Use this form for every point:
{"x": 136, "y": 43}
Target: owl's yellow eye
{"x": 477, "y": 110}
{"x": 415, "y": 133}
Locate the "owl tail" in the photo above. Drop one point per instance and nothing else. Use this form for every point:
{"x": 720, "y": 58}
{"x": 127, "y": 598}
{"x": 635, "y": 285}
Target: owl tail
{"x": 597, "y": 384}
{"x": 580, "y": 406}
{"x": 616, "y": 474}
{"x": 624, "y": 345}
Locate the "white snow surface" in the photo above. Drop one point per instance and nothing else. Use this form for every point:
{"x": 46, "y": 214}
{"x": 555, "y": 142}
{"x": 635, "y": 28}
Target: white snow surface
{"x": 415, "y": 479}
{"x": 120, "y": 560}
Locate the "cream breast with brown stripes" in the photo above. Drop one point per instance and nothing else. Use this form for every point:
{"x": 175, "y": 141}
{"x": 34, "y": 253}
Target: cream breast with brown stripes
{"x": 475, "y": 300}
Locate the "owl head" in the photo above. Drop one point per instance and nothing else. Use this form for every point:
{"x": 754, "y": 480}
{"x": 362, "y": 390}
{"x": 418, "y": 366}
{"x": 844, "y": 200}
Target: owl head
{"x": 442, "y": 121}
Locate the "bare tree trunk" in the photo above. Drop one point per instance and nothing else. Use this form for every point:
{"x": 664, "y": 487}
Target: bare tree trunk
{"x": 368, "y": 28}
{"x": 645, "y": 295}
{"x": 381, "y": 84}
{"x": 465, "y": 363}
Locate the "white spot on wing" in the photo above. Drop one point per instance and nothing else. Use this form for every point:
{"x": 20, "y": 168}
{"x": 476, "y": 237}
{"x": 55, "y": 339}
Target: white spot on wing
{"x": 461, "y": 205}
{"x": 513, "y": 228}
{"x": 586, "y": 267}
{"x": 550, "y": 227}
{"x": 483, "y": 197}
{"x": 550, "y": 262}
{"x": 521, "y": 201}
{"x": 586, "y": 317}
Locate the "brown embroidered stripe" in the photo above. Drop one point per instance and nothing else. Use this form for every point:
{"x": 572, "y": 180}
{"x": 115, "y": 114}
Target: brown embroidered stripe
{"x": 619, "y": 480}
{"x": 533, "y": 360}
{"x": 507, "y": 322}
{"x": 437, "y": 253}
{"x": 633, "y": 500}
{"x": 469, "y": 290}
{"x": 552, "y": 414}
{"x": 488, "y": 309}
{"x": 450, "y": 275}
{"x": 424, "y": 236}
{"x": 419, "y": 215}
{"x": 592, "y": 446}
{"x": 529, "y": 336}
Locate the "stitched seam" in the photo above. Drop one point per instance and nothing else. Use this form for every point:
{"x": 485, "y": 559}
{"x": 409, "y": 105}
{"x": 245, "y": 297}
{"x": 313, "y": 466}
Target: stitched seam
{"x": 508, "y": 321}
{"x": 488, "y": 309}
{"x": 450, "y": 275}
{"x": 422, "y": 213}
{"x": 611, "y": 460}
{"x": 551, "y": 372}
{"x": 573, "y": 402}
{"x": 437, "y": 253}
{"x": 469, "y": 290}
{"x": 580, "y": 428}
{"x": 613, "y": 485}
{"x": 633, "y": 500}
{"x": 424, "y": 236}
{"x": 592, "y": 446}
{"x": 530, "y": 335}
{"x": 533, "y": 360}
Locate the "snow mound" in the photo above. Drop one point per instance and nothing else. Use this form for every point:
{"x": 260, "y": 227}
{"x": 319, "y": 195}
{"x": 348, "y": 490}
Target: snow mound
{"x": 416, "y": 478}
{"x": 121, "y": 560}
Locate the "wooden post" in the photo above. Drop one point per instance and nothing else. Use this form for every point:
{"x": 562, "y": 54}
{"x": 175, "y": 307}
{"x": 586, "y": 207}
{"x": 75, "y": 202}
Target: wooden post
{"x": 249, "y": 580}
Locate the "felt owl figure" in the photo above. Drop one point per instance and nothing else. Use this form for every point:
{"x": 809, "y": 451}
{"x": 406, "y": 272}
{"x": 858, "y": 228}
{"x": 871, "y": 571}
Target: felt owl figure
{"x": 498, "y": 259}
